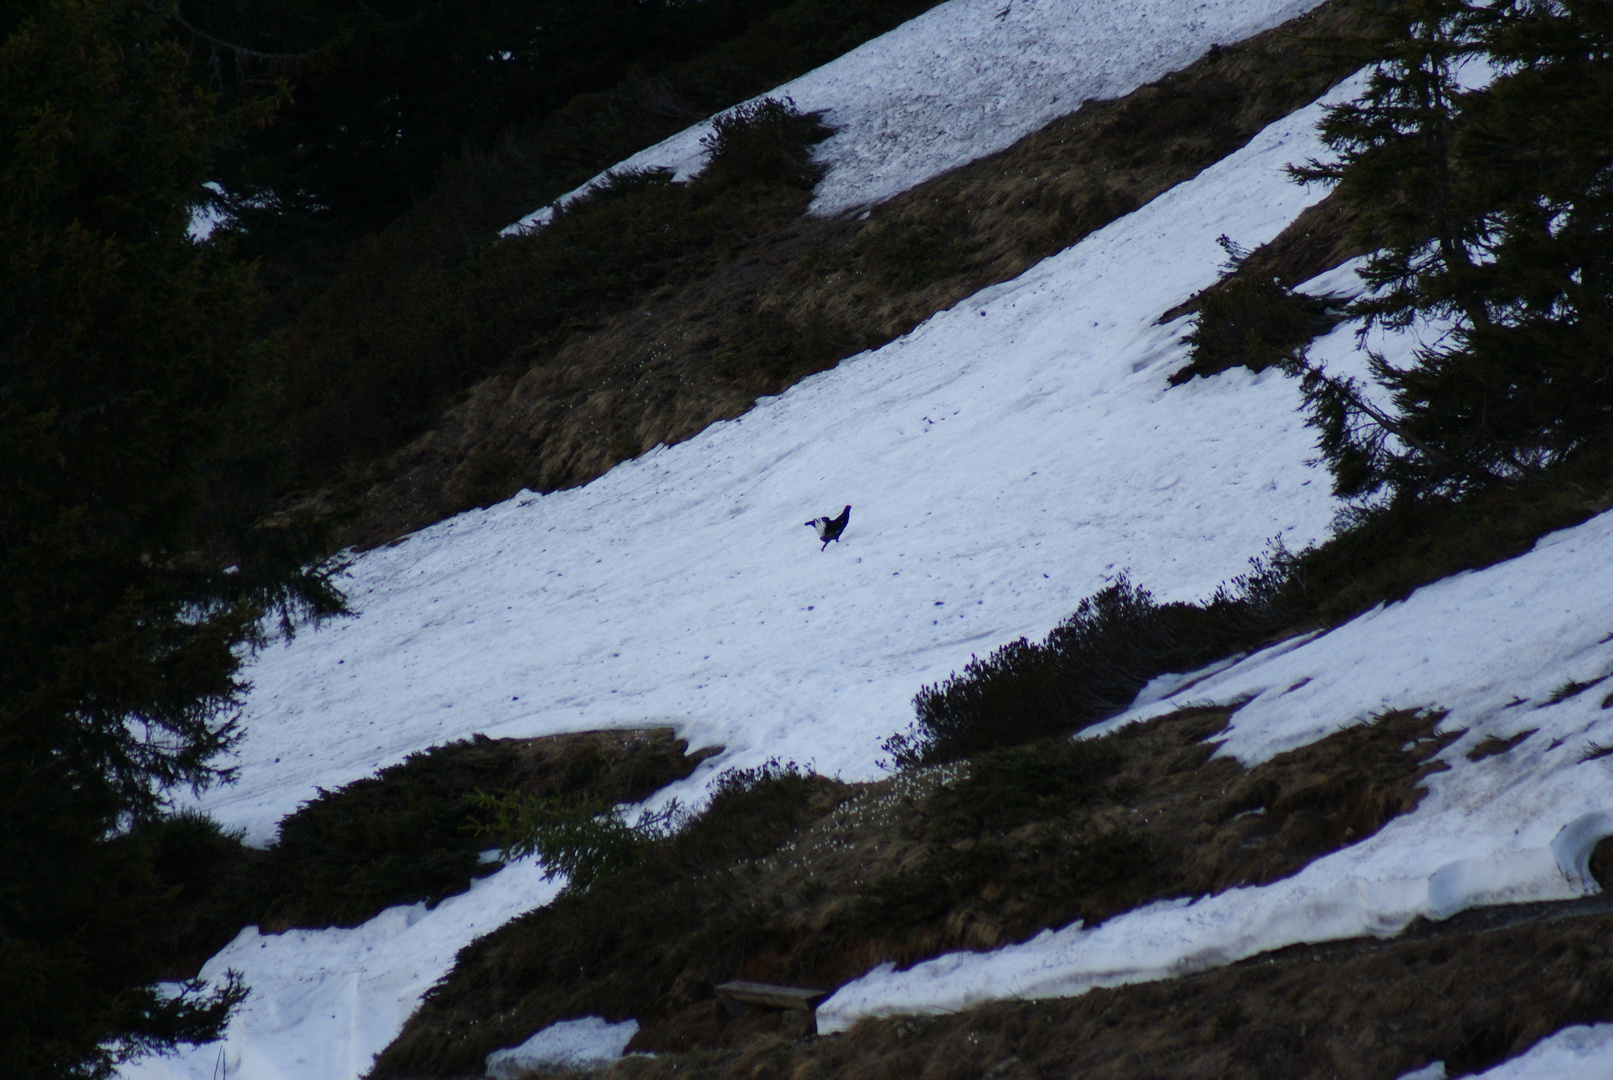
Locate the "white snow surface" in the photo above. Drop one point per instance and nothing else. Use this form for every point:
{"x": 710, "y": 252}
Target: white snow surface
{"x": 1004, "y": 460}
{"x": 323, "y": 1003}
{"x": 1574, "y": 1053}
{"x": 570, "y": 1044}
{"x": 1491, "y": 648}
{"x": 969, "y": 78}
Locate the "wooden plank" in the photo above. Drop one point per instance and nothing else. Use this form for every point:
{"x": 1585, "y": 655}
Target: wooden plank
{"x": 770, "y": 996}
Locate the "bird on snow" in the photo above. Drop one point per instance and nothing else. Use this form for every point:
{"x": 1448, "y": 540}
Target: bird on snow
{"x": 830, "y": 528}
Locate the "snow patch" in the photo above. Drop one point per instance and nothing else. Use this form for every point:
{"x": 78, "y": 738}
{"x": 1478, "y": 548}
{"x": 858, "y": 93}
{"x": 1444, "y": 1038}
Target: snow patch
{"x": 589, "y": 1043}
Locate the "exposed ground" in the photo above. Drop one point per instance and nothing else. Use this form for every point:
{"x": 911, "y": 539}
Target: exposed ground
{"x": 806, "y": 292}
{"x": 803, "y": 881}
{"x": 1472, "y": 991}
{"x": 405, "y": 835}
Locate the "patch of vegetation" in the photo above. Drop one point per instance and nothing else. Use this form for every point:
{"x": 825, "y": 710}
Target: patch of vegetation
{"x": 648, "y": 936}
{"x": 1572, "y": 688}
{"x": 406, "y": 835}
{"x": 578, "y": 839}
{"x": 798, "y": 880}
{"x": 1089, "y": 667}
{"x": 1004, "y": 789}
{"x": 1472, "y": 991}
{"x": 1251, "y": 321}
{"x": 1490, "y": 746}
{"x": 764, "y": 143}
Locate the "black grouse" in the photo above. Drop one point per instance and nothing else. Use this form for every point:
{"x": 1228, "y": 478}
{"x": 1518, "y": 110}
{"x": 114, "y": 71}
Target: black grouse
{"x": 830, "y": 528}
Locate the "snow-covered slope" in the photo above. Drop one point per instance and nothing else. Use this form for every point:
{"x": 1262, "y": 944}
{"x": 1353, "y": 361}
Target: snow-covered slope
{"x": 970, "y": 77}
{"x": 1004, "y": 460}
{"x": 1492, "y": 647}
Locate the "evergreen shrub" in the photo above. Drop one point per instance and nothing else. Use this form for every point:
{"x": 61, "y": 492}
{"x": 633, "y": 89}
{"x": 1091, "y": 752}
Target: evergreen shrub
{"x": 1090, "y": 667}
{"x": 764, "y": 143}
{"x": 1250, "y": 320}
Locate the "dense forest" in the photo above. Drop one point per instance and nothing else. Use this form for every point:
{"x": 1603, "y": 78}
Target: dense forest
{"x": 168, "y": 404}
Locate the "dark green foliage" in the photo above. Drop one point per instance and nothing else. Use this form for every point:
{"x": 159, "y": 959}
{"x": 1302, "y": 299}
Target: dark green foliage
{"x": 764, "y": 143}
{"x": 1007, "y": 788}
{"x": 1493, "y": 206}
{"x": 405, "y": 835}
{"x": 121, "y": 355}
{"x": 1250, "y": 321}
{"x": 397, "y": 838}
{"x": 366, "y": 369}
{"x": 1090, "y": 667}
{"x": 410, "y": 833}
{"x": 660, "y": 930}
{"x": 580, "y": 840}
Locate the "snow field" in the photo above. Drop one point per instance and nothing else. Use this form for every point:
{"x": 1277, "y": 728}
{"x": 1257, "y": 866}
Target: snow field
{"x": 1003, "y": 461}
{"x": 971, "y": 77}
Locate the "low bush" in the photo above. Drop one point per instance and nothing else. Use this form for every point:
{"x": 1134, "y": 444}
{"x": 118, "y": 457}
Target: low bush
{"x": 1251, "y": 320}
{"x": 765, "y": 143}
{"x": 646, "y": 938}
{"x": 403, "y": 836}
{"x": 1007, "y": 788}
{"x": 581, "y": 840}
{"x": 1090, "y": 666}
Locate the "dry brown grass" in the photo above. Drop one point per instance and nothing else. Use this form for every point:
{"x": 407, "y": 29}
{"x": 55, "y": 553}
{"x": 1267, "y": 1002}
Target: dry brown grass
{"x": 1473, "y": 991}
{"x": 809, "y": 292}
{"x": 838, "y": 878}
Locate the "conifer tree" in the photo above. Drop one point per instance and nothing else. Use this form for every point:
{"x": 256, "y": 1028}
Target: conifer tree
{"x": 120, "y": 350}
{"x": 1479, "y": 159}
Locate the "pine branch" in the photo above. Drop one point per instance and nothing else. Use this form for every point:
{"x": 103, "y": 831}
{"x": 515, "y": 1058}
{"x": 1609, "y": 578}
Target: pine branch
{"x": 238, "y": 50}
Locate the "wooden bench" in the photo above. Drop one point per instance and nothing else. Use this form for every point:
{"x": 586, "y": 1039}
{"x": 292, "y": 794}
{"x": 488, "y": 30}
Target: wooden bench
{"x": 733, "y": 998}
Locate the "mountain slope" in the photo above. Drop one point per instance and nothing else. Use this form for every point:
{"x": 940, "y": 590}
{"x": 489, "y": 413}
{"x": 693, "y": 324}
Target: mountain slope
{"x": 1000, "y": 466}
{"x": 1006, "y": 458}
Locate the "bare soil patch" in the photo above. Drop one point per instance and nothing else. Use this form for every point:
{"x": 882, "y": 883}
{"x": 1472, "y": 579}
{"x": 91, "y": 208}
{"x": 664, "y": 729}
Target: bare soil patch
{"x": 833, "y": 879}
